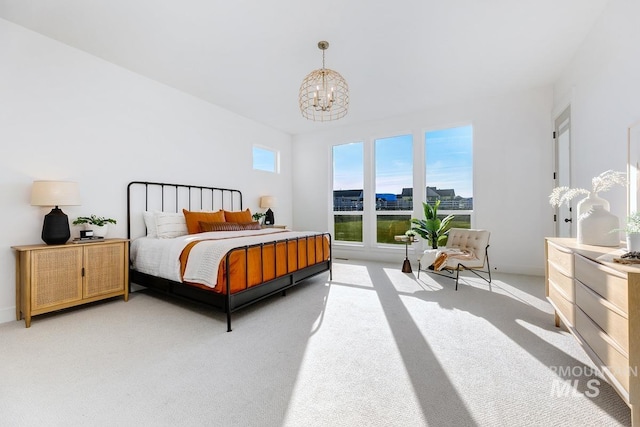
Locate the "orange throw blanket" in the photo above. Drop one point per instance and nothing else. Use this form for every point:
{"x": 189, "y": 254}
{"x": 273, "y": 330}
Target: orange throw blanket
{"x": 444, "y": 256}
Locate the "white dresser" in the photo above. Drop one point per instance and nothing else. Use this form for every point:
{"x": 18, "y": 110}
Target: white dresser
{"x": 599, "y": 303}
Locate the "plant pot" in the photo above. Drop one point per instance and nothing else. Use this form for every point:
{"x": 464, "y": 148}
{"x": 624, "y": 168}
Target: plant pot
{"x": 633, "y": 242}
{"x": 591, "y": 200}
{"x": 597, "y": 227}
{"x": 99, "y": 231}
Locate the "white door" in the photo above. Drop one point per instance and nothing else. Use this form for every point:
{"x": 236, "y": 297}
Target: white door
{"x": 564, "y": 218}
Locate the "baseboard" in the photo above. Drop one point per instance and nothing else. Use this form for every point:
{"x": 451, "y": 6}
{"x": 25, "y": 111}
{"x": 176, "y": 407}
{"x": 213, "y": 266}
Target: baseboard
{"x": 520, "y": 269}
{"x": 396, "y": 256}
{"x": 7, "y": 314}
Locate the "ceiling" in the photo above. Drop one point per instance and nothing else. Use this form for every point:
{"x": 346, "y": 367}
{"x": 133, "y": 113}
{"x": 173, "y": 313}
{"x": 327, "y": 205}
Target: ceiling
{"x": 250, "y": 56}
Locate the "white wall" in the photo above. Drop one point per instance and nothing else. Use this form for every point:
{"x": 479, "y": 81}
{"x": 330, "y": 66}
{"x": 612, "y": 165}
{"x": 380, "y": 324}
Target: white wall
{"x": 70, "y": 116}
{"x": 512, "y": 173}
{"x": 603, "y": 84}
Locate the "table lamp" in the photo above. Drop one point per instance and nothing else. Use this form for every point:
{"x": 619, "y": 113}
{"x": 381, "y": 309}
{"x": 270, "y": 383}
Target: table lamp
{"x": 268, "y": 202}
{"x": 55, "y": 230}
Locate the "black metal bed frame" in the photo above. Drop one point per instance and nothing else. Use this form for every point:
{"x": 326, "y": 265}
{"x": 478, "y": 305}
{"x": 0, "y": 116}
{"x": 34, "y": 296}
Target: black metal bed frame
{"x": 227, "y": 301}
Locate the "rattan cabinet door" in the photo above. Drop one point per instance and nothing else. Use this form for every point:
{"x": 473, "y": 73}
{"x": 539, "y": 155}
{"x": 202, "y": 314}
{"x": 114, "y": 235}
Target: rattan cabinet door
{"x": 104, "y": 269}
{"x": 56, "y": 277}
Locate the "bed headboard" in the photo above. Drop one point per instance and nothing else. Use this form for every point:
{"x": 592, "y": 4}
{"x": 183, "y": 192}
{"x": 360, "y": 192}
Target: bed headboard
{"x": 149, "y": 196}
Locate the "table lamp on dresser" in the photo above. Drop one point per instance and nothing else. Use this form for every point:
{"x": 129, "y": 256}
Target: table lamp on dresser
{"x": 268, "y": 202}
{"x": 55, "y": 229}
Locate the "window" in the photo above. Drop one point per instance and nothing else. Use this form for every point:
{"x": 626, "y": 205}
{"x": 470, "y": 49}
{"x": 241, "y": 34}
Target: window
{"x": 449, "y": 172}
{"x": 373, "y": 184}
{"x": 394, "y": 186}
{"x": 265, "y": 159}
{"x": 348, "y": 191}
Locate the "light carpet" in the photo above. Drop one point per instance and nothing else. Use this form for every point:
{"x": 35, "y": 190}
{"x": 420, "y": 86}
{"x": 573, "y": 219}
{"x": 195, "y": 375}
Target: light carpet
{"x": 374, "y": 347}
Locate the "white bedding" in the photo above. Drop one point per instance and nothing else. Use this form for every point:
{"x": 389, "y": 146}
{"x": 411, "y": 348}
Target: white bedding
{"x": 161, "y": 257}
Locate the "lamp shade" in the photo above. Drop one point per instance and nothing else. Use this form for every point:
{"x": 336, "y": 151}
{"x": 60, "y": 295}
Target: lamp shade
{"x": 55, "y": 229}
{"x": 268, "y": 202}
{"x": 55, "y": 193}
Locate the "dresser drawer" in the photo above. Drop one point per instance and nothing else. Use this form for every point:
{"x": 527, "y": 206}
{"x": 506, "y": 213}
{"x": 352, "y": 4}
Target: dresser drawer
{"x": 563, "y": 283}
{"x": 607, "y": 316}
{"x": 561, "y": 257}
{"x": 610, "y": 356}
{"x": 608, "y": 283}
{"x": 562, "y": 305}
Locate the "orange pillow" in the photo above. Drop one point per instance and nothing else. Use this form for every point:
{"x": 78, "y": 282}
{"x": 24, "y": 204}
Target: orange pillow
{"x": 193, "y": 219}
{"x": 238, "y": 216}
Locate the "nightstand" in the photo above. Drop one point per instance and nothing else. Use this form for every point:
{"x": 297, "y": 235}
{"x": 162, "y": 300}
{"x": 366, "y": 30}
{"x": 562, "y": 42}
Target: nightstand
{"x": 274, "y": 226}
{"x": 53, "y": 277}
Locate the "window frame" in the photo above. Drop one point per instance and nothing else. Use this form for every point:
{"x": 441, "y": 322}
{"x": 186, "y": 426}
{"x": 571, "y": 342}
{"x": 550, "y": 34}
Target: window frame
{"x": 423, "y": 157}
{"x": 377, "y": 213}
{"x": 334, "y": 212}
{"x": 276, "y": 158}
{"x": 368, "y": 212}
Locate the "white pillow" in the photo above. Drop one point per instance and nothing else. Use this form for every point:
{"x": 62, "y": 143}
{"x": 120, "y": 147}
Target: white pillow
{"x": 170, "y": 225}
{"x": 150, "y": 223}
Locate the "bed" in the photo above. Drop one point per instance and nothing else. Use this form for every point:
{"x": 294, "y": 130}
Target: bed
{"x": 194, "y": 242}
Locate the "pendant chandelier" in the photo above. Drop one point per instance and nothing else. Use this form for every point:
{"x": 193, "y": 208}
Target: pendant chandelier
{"x": 324, "y": 93}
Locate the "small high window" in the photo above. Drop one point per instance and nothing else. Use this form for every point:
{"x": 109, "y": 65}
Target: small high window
{"x": 265, "y": 159}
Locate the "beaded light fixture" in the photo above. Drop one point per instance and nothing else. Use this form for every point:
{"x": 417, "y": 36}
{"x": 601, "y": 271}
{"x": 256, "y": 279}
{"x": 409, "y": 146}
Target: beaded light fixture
{"x": 324, "y": 93}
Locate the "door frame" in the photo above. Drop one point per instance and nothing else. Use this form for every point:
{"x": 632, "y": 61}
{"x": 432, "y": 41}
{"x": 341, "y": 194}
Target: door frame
{"x": 561, "y": 124}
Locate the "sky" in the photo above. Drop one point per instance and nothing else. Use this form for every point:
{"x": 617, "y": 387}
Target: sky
{"x": 449, "y": 162}
{"x": 264, "y": 159}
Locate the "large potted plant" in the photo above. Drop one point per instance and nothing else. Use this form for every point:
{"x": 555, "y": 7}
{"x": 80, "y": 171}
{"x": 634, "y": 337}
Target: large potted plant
{"x": 432, "y": 228}
{"x": 99, "y": 224}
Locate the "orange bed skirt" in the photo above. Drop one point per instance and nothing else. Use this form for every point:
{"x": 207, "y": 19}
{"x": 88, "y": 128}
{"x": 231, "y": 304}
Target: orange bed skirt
{"x": 264, "y": 262}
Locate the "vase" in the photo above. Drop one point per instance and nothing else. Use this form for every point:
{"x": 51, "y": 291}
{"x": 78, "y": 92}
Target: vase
{"x": 597, "y": 227}
{"x": 100, "y": 231}
{"x": 633, "y": 242}
{"x": 592, "y": 199}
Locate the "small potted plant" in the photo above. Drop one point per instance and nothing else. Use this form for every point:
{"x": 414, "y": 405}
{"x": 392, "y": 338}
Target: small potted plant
{"x": 98, "y": 224}
{"x": 411, "y": 234}
{"x": 257, "y": 216}
{"x": 632, "y": 230}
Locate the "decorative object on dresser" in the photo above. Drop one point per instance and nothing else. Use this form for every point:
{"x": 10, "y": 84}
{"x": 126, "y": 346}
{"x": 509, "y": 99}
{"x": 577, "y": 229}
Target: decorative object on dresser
{"x": 50, "y": 278}
{"x": 257, "y": 216}
{"x": 603, "y": 182}
{"x": 55, "y": 229}
{"x": 98, "y": 225}
{"x": 632, "y": 231}
{"x": 599, "y": 227}
{"x": 228, "y": 263}
{"x": 598, "y": 301}
{"x": 324, "y": 93}
{"x": 268, "y": 202}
